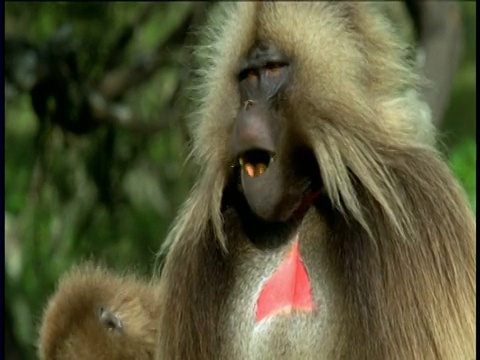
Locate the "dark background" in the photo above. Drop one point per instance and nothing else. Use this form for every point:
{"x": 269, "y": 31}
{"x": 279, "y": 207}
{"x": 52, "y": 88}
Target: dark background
{"x": 96, "y": 141}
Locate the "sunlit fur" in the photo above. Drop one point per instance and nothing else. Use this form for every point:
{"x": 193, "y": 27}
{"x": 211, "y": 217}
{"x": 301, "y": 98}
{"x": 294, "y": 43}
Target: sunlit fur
{"x": 403, "y": 230}
{"x": 71, "y": 328}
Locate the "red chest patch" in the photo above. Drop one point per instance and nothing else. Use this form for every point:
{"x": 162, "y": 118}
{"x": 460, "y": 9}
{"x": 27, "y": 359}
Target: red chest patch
{"x": 287, "y": 289}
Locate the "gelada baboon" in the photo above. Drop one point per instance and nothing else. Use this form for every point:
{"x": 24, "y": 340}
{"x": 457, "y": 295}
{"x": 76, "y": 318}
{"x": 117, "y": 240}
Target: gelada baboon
{"x": 97, "y": 314}
{"x": 323, "y": 223}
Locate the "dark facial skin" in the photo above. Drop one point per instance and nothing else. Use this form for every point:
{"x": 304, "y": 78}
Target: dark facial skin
{"x": 273, "y": 165}
{"x": 109, "y": 320}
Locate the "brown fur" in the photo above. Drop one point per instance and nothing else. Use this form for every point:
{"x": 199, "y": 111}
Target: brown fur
{"x": 71, "y": 328}
{"x": 391, "y": 253}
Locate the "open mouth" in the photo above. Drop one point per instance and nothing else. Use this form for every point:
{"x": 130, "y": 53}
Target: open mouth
{"x": 255, "y": 162}
{"x": 276, "y": 185}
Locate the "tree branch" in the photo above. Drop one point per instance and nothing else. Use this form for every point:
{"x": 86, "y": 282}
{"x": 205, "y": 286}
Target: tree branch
{"x": 440, "y": 38}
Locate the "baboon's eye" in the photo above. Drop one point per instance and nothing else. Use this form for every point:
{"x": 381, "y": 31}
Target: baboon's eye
{"x": 250, "y": 75}
{"x": 274, "y": 68}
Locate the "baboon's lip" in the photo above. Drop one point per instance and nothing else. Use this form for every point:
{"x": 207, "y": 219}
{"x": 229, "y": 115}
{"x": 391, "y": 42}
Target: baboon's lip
{"x": 255, "y": 162}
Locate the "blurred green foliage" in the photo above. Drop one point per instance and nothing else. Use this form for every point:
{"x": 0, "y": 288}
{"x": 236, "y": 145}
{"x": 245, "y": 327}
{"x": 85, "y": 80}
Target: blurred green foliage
{"x": 112, "y": 195}
{"x": 463, "y": 162}
{"x": 458, "y": 130}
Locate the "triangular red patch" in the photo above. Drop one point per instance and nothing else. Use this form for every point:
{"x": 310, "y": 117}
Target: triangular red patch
{"x": 287, "y": 289}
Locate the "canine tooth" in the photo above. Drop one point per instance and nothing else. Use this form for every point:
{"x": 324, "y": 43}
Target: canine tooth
{"x": 261, "y": 168}
{"x": 250, "y": 169}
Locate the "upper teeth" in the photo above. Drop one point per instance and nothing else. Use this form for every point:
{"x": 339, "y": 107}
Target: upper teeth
{"x": 251, "y": 169}
{"x": 254, "y": 170}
